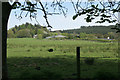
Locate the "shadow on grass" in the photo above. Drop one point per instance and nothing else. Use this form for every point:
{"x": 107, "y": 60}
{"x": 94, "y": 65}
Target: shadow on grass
{"x": 99, "y": 68}
{"x": 61, "y": 67}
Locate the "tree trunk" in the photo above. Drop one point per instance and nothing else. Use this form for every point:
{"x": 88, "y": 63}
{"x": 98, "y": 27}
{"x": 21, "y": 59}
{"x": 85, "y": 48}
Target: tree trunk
{"x": 6, "y": 9}
{"x": 0, "y": 40}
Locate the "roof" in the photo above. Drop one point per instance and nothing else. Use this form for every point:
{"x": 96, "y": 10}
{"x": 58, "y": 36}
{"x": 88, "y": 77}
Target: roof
{"x": 60, "y": 36}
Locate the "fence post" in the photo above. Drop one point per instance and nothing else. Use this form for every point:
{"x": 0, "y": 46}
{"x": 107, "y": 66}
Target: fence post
{"x": 0, "y": 40}
{"x": 78, "y": 62}
{"x": 119, "y": 43}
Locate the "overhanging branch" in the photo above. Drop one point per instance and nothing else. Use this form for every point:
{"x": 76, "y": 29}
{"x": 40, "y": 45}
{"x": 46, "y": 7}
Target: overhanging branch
{"x": 45, "y": 15}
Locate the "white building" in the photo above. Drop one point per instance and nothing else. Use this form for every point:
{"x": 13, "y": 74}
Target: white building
{"x": 35, "y": 36}
{"x": 108, "y": 38}
{"x": 57, "y": 36}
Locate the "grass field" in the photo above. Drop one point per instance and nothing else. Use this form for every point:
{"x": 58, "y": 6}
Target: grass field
{"x": 30, "y": 58}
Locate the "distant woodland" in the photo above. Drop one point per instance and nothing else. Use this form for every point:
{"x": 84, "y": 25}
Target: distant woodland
{"x": 84, "y": 32}
{"x": 91, "y": 30}
{"x": 27, "y": 31}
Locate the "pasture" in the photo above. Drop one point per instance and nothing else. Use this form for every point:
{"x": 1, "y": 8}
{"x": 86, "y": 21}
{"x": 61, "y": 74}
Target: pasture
{"x": 30, "y": 58}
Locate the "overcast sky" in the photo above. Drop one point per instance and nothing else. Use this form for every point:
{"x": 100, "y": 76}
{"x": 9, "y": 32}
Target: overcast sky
{"x": 58, "y": 22}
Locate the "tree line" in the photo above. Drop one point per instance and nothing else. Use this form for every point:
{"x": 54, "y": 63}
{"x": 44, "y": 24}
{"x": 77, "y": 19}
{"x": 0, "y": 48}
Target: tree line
{"x": 85, "y": 32}
{"x": 27, "y": 31}
{"x": 94, "y": 31}
{"x": 91, "y": 29}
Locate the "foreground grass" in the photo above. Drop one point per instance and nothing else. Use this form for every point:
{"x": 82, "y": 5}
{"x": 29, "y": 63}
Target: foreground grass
{"x": 29, "y": 58}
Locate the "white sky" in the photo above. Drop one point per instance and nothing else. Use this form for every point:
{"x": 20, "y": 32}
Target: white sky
{"x": 58, "y": 22}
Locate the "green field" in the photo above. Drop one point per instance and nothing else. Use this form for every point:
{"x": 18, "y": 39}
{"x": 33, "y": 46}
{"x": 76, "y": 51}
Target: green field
{"x": 30, "y": 58}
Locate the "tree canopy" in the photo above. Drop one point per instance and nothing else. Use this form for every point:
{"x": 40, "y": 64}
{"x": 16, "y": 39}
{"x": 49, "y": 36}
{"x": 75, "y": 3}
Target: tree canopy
{"x": 92, "y": 29}
{"x": 104, "y": 11}
{"x": 27, "y": 31}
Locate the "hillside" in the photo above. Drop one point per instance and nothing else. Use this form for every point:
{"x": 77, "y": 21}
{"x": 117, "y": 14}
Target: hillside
{"x": 91, "y": 30}
{"x": 27, "y": 31}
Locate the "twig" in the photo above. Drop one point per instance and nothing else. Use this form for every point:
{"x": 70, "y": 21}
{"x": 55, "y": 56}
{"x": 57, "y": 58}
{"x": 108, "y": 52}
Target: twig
{"x": 45, "y": 15}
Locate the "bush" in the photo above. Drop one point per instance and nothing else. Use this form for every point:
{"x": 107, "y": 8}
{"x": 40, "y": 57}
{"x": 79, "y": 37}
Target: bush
{"x": 83, "y": 35}
{"x": 39, "y": 36}
{"x": 45, "y": 35}
{"x": 23, "y": 33}
{"x": 10, "y": 34}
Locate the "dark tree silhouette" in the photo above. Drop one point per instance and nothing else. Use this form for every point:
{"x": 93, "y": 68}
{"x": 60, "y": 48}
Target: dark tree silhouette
{"x": 5, "y": 17}
{"x": 31, "y": 8}
{"x": 105, "y": 11}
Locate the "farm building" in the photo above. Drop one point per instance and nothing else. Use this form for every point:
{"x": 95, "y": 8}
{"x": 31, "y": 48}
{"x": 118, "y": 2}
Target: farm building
{"x": 35, "y": 36}
{"x": 57, "y": 36}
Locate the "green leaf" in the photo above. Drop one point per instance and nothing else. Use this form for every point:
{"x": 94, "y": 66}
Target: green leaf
{"x": 114, "y": 10}
{"x": 102, "y": 10}
{"x": 114, "y": 20}
{"x": 83, "y": 12}
{"x": 93, "y": 6}
{"x": 99, "y": 22}
{"x": 91, "y": 12}
{"x": 22, "y": 8}
{"x": 96, "y": 5}
{"x": 19, "y": 3}
{"x": 101, "y": 18}
{"x": 29, "y": 3}
{"x": 33, "y": 10}
{"x": 88, "y": 19}
{"x": 75, "y": 16}
{"x": 103, "y": 15}
{"x": 92, "y": 18}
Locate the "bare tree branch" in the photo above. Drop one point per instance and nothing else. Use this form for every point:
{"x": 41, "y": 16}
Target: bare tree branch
{"x": 45, "y": 15}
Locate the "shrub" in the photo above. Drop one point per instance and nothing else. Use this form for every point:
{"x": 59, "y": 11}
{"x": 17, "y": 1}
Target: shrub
{"x": 45, "y": 35}
{"x": 23, "y": 33}
{"x": 39, "y": 36}
{"x": 10, "y": 34}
